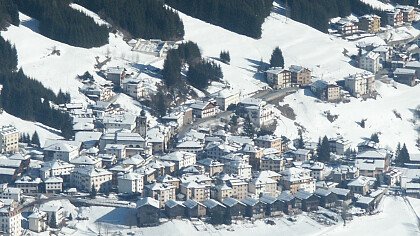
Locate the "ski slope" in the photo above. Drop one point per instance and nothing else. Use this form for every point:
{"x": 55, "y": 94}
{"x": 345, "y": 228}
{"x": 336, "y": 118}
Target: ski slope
{"x": 301, "y": 45}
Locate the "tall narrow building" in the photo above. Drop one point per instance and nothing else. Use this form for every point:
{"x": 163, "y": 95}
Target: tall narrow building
{"x": 141, "y": 124}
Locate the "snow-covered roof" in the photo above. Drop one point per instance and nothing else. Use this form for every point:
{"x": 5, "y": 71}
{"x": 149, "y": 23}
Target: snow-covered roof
{"x": 303, "y": 195}
{"x": 340, "y": 191}
{"x": 172, "y": 203}
{"x": 230, "y": 202}
{"x": 322, "y": 192}
{"x": 250, "y": 201}
{"x": 268, "y": 199}
{"x": 211, "y": 203}
{"x": 413, "y": 64}
{"x": 147, "y": 201}
{"x": 404, "y": 71}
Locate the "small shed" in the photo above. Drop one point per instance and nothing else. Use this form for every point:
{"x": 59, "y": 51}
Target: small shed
{"x": 174, "y": 209}
{"x": 194, "y": 209}
{"x": 254, "y": 208}
{"x": 235, "y": 208}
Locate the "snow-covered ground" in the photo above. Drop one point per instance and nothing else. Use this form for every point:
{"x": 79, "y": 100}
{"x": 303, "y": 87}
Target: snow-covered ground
{"x": 24, "y": 126}
{"x": 379, "y": 114}
{"x": 59, "y": 72}
{"x": 301, "y": 45}
{"x": 379, "y": 4}
{"x": 121, "y": 220}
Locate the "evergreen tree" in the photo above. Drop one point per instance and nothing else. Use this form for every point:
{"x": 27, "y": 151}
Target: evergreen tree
{"x": 60, "y": 22}
{"x": 70, "y": 217}
{"x": 53, "y": 221}
{"x": 374, "y": 137}
{"x": 240, "y": 16}
{"x": 363, "y": 123}
{"x": 93, "y": 191}
{"x": 277, "y": 59}
{"x": 398, "y": 149}
{"x": 403, "y": 156}
{"x": 159, "y": 103}
{"x": 225, "y": 57}
{"x": 8, "y": 14}
{"x": 301, "y": 143}
{"x": 147, "y": 19}
{"x": 249, "y": 128}
{"x": 35, "y": 140}
{"x": 324, "y": 154}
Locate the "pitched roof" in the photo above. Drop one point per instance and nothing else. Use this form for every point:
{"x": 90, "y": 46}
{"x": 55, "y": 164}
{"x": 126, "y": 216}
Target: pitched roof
{"x": 147, "y": 201}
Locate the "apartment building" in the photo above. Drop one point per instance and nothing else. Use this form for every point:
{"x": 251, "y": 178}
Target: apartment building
{"x": 9, "y": 139}
{"x": 86, "y": 178}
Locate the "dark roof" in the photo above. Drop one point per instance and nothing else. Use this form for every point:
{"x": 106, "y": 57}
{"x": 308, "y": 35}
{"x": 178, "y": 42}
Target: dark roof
{"x": 211, "y": 203}
{"x": 250, "y": 201}
{"x": 303, "y": 195}
{"x": 230, "y": 202}
{"x": 285, "y": 197}
{"x": 322, "y": 192}
{"x": 172, "y": 203}
{"x": 268, "y": 199}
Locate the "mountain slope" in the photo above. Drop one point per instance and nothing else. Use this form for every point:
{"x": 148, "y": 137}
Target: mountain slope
{"x": 300, "y": 44}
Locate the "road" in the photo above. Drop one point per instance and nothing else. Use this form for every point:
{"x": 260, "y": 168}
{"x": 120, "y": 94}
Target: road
{"x": 266, "y": 95}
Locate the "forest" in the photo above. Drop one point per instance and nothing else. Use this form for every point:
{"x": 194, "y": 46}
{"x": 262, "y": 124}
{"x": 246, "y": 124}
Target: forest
{"x": 241, "y": 16}
{"x": 60, "y": 22}
{"x": 27, "y": 98}
{"x": 317, "y": 13}
{"x": 200, "y": 71}
{"x": 8, "y": 13}
{"x": 147, "y": 19}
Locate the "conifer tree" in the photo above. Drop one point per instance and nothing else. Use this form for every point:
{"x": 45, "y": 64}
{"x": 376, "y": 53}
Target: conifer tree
{"x": 35, "y": 140}
{"x": 277, "y": 59}
{"x": 301, "y": 143}
{"x": 324, "y": 154}
{"x": 374, "y": 137}
{"x": 225, "y": 57}
{"x": 93, "y": 191}
{"x": 403, "y": 155}
{"x": 249, "y": 129}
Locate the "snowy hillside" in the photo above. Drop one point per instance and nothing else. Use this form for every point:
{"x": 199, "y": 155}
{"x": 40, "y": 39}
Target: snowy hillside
{"x": 59, "y": 72}
{"x": 379, "y": 4}
{"x": 43, "y": 131}
{"x": 379, "y": 114}
{"x": 300, "y": 44}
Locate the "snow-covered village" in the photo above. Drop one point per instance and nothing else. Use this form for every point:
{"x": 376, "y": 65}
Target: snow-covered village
{"x": 209, "y": 117}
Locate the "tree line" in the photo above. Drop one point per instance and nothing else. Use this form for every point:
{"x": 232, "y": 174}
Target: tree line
{"x": 241, "y": 16}
{"x": 27, "y": 98}
{"x": 60, "y": 22}
{"x": 318, "y": 13}
{"x": 147, "y": 19}
{"x": 8, "y": 13}
{"x": 200, "y": 71}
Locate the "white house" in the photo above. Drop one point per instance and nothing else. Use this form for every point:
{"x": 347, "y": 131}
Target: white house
{"x": 225, "y": 98}
{"x": 131, "y": 183}
{"x": 38, "y": 221}
{"x": 370, "y": 62}
{"x": 10, "y": 218}
{"x": 84, "y": 178}
{"x": 61, "y": 150}
{"x": 204, "y": 109}
{"x": 360, "y": 84}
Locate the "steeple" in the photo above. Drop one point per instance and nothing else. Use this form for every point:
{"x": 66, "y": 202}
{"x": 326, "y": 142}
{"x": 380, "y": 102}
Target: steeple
{"x": 141, "y": 124}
